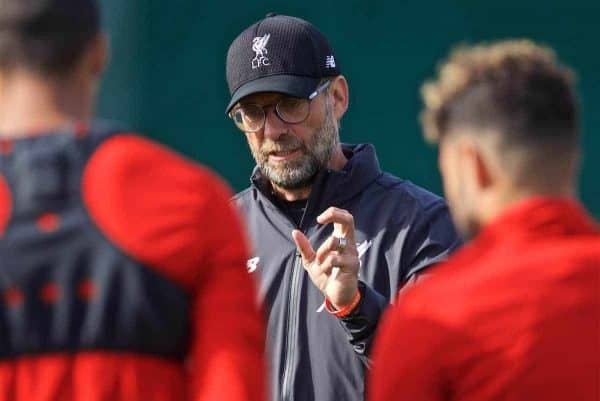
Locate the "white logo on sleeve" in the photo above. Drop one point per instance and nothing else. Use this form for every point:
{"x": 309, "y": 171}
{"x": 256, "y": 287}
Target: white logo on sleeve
{"x": 259, "y": 46}
{"x": 329, "y": 62}
{"x": 252, "y": 264}
{"x": 363, "y": 247}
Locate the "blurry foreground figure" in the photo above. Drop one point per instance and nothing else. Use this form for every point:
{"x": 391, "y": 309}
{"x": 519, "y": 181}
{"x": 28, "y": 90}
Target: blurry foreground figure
{"x": 515, "y": 314}
{"x": 122, "y": 265}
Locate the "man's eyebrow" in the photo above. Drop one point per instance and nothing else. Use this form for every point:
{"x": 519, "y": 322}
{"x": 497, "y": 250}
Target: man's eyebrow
{"x": 272, "y": 101}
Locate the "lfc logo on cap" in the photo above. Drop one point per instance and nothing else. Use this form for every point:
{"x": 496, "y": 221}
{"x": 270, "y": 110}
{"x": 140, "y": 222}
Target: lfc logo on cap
{"x": 259, "y": 46}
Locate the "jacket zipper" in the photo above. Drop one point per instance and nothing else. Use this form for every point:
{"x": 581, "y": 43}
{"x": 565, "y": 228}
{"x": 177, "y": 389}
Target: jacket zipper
{"x": 287, "y": 393}
{"x": 292, "y": 330}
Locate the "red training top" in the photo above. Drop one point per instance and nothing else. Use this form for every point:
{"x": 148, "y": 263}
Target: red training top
{"x": 513, "y": 316}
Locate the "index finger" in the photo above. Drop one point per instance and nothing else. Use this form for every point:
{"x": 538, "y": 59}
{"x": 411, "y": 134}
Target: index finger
{"x": 343, "y": 222}
{"x": 304, "y": 247}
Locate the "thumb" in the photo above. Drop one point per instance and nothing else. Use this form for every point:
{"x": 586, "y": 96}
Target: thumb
{"x": 304, "y": 247}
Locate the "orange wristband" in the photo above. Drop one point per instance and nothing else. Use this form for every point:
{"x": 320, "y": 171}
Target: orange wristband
{"x": 346, "y": 310}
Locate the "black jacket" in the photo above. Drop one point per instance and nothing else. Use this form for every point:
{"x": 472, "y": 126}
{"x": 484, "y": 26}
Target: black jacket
{"x": 400, "y": 230}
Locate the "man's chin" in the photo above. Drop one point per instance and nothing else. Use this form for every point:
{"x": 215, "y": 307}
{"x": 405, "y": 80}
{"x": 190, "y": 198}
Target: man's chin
{"x": 291, "y": 182}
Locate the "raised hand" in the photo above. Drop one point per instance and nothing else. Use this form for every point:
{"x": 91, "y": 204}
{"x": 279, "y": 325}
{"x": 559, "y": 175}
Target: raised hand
{"x": 333, "y": 268}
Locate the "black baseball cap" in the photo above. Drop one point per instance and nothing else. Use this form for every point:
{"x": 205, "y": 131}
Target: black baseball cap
{"x": 279, "y": 54}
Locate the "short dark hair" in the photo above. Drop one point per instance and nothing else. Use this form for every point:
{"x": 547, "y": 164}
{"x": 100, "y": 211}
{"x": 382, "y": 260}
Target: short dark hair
{"x": 516, "y": 88}
{"x": 46, "y": 36}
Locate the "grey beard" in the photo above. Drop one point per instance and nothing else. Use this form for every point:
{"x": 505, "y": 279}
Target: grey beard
{"x": 317, "y": 153}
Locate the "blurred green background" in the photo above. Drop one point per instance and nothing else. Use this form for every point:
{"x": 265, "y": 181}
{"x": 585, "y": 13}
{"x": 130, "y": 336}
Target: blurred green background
{"x": 167, "y": 73}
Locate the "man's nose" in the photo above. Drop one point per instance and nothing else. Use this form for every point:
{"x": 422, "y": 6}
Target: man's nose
{"x": 274, "y": 127}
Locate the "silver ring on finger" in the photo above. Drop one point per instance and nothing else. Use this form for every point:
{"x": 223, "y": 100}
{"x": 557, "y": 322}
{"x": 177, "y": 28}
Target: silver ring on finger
{"x": 342, "y": 243}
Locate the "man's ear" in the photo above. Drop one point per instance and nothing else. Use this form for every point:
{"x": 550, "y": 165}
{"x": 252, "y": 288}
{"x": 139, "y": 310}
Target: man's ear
{"x": 340, "y": 95}
{"x": 477, "y": 163}
{"x": 97, "y": 56}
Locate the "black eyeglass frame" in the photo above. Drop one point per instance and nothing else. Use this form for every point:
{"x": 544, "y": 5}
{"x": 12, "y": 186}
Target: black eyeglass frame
{"x": 320, "y": 89}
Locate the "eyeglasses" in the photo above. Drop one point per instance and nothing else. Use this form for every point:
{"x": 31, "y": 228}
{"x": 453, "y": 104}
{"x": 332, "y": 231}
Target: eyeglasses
{"x": 250, "y": 117}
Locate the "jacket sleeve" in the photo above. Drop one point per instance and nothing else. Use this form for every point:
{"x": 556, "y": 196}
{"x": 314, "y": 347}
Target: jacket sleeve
{"x": 360, "y": 325}
{"x": 429, "y": 239}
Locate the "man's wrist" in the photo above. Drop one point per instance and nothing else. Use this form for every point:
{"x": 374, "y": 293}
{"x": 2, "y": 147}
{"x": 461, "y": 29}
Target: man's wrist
{"x": 345, "y": 310}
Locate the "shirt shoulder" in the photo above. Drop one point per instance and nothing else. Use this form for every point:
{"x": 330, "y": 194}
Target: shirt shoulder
{"x": 156, "y": 205}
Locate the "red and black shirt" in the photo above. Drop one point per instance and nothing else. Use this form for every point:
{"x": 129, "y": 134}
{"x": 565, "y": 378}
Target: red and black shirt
{"x": 122, "y": 275}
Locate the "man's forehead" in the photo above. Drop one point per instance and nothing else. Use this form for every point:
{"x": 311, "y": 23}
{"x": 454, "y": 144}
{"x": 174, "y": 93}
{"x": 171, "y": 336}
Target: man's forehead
{"x": 262, "y": 98}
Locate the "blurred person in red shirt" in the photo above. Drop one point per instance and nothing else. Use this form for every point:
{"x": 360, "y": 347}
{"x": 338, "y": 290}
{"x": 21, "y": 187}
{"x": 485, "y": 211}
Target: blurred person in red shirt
{"x": 122, "y": 264}
{"x": 515, "y": 314}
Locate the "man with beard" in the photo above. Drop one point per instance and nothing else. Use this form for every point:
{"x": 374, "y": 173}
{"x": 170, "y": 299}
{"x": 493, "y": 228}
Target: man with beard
{"x": 323, "y": 207}
{"x": 520, "y": 318}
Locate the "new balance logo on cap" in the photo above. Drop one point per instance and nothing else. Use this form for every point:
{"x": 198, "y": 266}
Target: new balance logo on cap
{"x": 259, "y": 46}
{"x": 330, "y": 62}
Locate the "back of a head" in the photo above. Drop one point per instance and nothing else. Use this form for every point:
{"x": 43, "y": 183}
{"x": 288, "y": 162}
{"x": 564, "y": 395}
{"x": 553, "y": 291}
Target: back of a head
{"x": 46, "y": 37}
{"x": 516, "y": 91}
